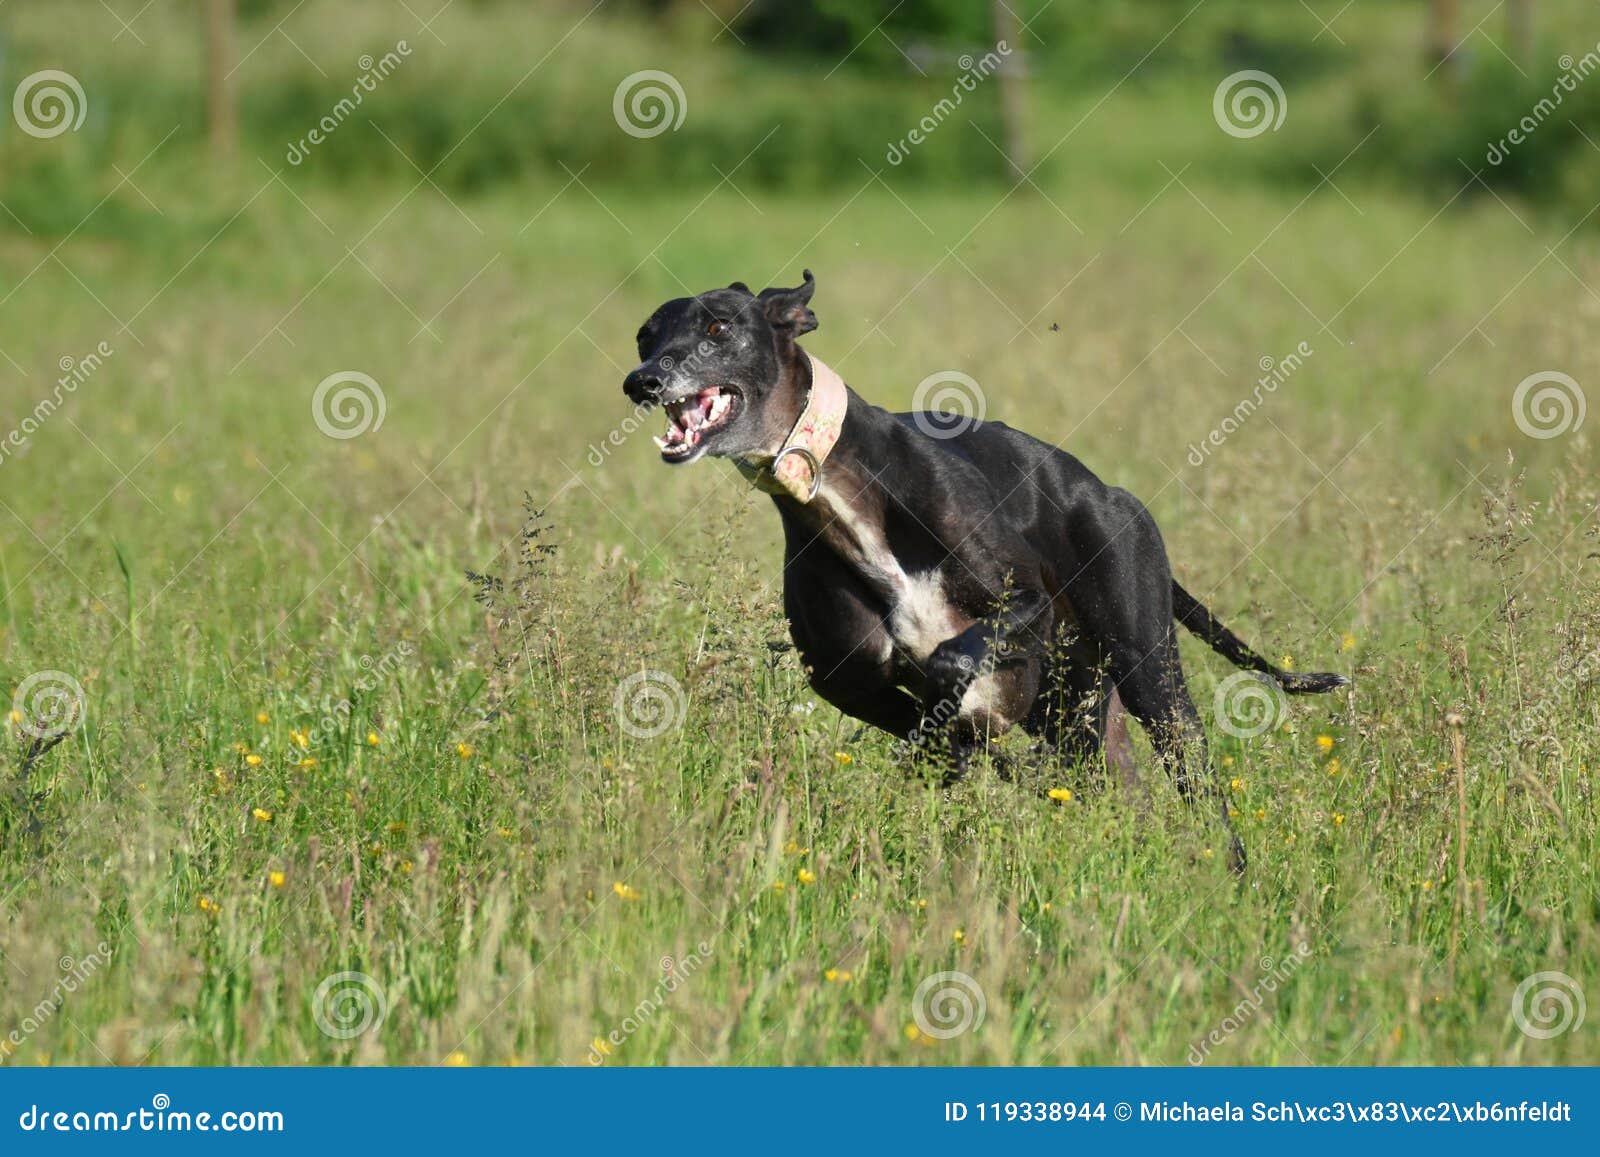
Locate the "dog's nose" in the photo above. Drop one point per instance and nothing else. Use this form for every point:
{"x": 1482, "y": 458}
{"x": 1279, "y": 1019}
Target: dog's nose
{"x": 643, "y": 384}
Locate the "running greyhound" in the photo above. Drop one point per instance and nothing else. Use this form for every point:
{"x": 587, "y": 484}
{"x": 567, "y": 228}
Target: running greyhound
{"x": 942, "y": 580}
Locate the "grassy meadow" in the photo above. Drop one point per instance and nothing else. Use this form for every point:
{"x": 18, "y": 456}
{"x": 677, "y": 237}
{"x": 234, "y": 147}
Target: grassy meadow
{"x": 313, "y": 744}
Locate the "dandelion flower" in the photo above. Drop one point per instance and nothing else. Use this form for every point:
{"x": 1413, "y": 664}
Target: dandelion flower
{"x": 275, "y": 879}
{"x": 464, "y": 750}
{"x": 624, "y": 891}
{"x": 806, "y": 876}
{"x": 300, "y": 738}
{"x": 960, "y": 936}
{"x": 263, "y": 718}
{"x": 262, "y": 814}
{"x": 1347, "y": 642}
{"x": 912, "y": 1032}
{"x": 1236, "y": 784}
{"x": 1338, "y": 819}
{"x": 308, "y": 763}
{"x": 1261, "y": 814}
{"x": 1325, "y": 742}
{"x": 456, "y": 1060}
{"x": 844, "y": 757}
{"x": 253, "y": 759}
{"x": 1060, "y": 794}
{"x": 836, "y": 975}
{"x": 1333, "y": 767}
{"x": 207, "y": 904}
{"x": 372, "y": 739}
{"x": 1208, "y": 853}
{"x": 779, "y": 886}
{"x": 922, "y": 905}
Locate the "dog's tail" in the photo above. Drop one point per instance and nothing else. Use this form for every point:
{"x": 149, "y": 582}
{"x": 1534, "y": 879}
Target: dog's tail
{"x": 1192, "y": 613}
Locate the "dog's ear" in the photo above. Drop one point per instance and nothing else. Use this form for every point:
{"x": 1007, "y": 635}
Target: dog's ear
{"x": 787, "y": 309}
{"x": 741, "y": 287}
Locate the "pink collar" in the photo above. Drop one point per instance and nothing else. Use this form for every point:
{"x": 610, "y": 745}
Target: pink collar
{"x": 796, "y": 469}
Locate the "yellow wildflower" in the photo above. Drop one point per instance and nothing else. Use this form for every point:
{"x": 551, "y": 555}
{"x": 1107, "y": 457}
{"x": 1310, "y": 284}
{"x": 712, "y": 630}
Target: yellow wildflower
{"x": 624, "y": 891}
{"x": 299, "y": 737}
{"x": 844, "y": 757}
{"x": 1333, "y": 767}
{"x": 275, "y": 879}
{"x": 1325, "y": 742}
{"x": 253, "y": 760}
{"x": 308, "y": 762}
{"x": 207, "y": 904}
{"x": 779, "y": 886}
{"x": 456, "y": 1060}
{"x": 1338, "y": 819}
{"x": 1236, "y": 784}
{"x": 262, "y": 814}
{"x": 836, "y": 975}
{"x": 960, "y": 936}
{"x": 263, "y": 718}
{"x": 1347, "y": 642}
{"x": 1060, "y": 794}
{"x": 464, "y": 750}
{"x": 806, "y": 876}
{"x": 372, "y": 739}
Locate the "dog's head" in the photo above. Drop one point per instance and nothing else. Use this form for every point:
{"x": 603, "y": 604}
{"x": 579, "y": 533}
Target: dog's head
{"x": 720, "y": 364}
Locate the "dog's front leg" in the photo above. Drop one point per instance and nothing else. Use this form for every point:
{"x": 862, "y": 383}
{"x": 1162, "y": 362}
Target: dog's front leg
{"x": 984, "y": 680}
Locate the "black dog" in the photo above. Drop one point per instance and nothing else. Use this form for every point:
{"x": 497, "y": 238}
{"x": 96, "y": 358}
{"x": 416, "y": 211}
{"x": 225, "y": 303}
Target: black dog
{"x": 942, "y": 581}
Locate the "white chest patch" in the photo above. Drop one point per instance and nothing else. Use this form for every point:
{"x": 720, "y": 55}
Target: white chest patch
{"x": 920, "y": 616}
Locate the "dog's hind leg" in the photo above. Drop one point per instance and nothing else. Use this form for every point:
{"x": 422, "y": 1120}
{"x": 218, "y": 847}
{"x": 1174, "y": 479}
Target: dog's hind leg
{"x": 1155, "y": 693}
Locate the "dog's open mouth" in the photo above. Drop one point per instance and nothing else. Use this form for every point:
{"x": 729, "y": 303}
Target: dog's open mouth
{"x": 691, "y": 420}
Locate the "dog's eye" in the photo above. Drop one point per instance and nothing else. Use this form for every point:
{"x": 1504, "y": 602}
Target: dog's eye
{"x": 716, "y": 329}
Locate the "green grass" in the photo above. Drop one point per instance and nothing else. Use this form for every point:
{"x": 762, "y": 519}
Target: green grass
{"x": 510, "y": 867}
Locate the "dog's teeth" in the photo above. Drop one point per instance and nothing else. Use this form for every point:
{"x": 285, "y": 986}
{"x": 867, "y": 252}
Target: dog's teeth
{"x": 661, "y": 443}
